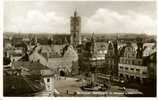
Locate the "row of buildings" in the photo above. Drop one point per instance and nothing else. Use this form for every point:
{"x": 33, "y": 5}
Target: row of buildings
{"x": 115, "y": 58}
{"x": 127, "y": 60}
{"x": 23, "y": 77}
{"x": 103, "y": 61}
{"x": 31, "y": 65}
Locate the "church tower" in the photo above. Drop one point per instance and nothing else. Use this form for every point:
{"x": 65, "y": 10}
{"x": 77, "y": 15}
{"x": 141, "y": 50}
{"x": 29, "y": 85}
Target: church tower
{"x": 75, "y": 29}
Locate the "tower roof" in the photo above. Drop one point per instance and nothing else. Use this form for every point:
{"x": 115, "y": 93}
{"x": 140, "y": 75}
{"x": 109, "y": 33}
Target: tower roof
{"x": 75, "y": 13}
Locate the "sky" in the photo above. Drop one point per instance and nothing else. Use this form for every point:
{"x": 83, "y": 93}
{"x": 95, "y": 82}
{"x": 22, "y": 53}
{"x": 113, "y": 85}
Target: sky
{"x": 98, "y": 17}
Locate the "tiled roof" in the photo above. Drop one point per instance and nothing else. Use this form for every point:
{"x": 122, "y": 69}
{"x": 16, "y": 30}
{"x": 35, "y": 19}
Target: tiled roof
{"x": 31, "y": 69}
{"x": 54, "y": 50}
{"x": 65, "y": 61}
{"x": 56, "y": 63}
{"x": 18, "y": 85}
{"x": 29, "y": 65}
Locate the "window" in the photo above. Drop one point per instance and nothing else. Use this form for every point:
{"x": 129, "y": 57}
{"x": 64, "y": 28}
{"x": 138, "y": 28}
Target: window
{"x": 138, "y": 70}
{"x": 112, "y": 61}
{"x": 48, "y": 80}
{"x": 127, "y": 76}
{"x": 132, "y": 68}
{"x": 121, "y": 67}
{"x": 106, "y": 62}
{"x": 121, "y": 75}
{"x": 109, "y": 54}
{"x": 132, "y": 55}
{"x": 126, "y": 61}
{"x": 144, "y": 72}
{"x": 126, "y": 68}
{"x": 121, "y": 61}
{"x": 139, "y": 62}
{"x": 109, "y": 61}
{"x": 128, "y": 56}
{"x": 124, "y": 54}
{"x": 79, "y": 50}
{"x": 133, "y": 62}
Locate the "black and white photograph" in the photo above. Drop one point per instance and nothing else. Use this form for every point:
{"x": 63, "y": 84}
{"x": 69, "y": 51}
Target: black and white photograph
{"x": 79, "y": 48}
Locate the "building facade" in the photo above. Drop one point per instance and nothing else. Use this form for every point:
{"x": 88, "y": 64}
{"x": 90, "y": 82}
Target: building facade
{"x": 92, "y": 55}
{"x": 109, "y": 70}
{"x": 62, "y": 65}
{"x": 92, "y": 60}
{"x": 75, "y": 29}
{"x": 151, "y": 63}
{"x": 27, "y": 77}
{"x": 111, "y": 59}
{"x": 48, "y": 78}
{"x": 131, "y": 65}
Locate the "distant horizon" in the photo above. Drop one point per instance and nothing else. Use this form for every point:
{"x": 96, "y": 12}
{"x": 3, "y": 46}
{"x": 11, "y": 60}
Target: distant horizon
{"x": 52, "y": 33}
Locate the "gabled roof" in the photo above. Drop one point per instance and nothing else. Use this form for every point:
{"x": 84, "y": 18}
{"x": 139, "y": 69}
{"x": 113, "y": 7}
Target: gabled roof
{"x": 29, "y": 65}
{"x": 65, "y": 61}
{"x": 31, "y": 69}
